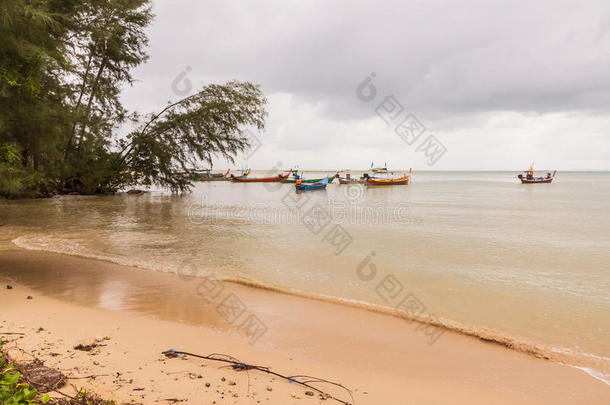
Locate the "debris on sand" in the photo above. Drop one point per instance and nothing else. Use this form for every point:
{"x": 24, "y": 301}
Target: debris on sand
{"x": 42, "y": 377}
{"x": 87, "y": 348}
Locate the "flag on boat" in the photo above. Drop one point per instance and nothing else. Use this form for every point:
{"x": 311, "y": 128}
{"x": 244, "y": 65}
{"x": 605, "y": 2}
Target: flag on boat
{"x": 371, "y": 165}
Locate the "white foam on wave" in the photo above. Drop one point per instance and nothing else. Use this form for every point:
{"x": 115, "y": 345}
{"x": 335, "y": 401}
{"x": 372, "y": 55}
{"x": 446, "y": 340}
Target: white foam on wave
{"x": 73, "y": 248}
{"x": 595, "y": 374}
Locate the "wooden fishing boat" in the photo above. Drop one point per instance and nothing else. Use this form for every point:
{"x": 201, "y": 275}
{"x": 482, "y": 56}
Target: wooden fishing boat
{"x": 207, "y": 175}
{"x": 377, "y": 180}
{"x": 348, "y": 179}
{"x": 203, "y": 178}
{"x": 312, "y": 186}
{"x": 294, "y": 180}
{"x": 343, "y": 180}
{"x": 530, "y": 179}
{"x": 373, "y": 173}
{"x": 388, "y": 182}
{"x": 181, "y": 174}
{"x": 272, "y": 179}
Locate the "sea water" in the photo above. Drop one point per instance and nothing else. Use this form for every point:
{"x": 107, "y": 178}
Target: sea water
{"x": 525, "y": 265}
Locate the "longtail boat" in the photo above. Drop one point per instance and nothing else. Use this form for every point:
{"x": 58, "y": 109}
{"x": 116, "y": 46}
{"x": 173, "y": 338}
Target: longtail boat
{"x": 207, "y": 175}
{"x": 530, "y": 179}
{"x": 379, "y": 181}
{"x": 294, "y": 180}
{"x": 348, "y": 179}
{"x": 388, "y": 182}
{"x": 312, "y": 186}
{"x": 181, "y": 174}
{"x": 344, "y": 180}
{"x": 374, "y": 172}
{"x": 273, "y": 179}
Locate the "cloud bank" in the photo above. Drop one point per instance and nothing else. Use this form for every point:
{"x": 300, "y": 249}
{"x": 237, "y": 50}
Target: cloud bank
{"x": 498, "y": 83}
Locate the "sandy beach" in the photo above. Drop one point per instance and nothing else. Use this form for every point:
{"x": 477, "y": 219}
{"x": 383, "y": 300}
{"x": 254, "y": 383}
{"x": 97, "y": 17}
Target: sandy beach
{"x": 382, "y": 359}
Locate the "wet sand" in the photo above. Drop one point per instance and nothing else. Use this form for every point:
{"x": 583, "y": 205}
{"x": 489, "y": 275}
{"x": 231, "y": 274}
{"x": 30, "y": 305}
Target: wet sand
{"x": 383, "y": 359}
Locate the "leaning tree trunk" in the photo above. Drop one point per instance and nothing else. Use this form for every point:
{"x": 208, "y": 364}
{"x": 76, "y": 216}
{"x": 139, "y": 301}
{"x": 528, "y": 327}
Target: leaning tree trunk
{"x": 78, "y": 104}
{"x": 94, "y": 88}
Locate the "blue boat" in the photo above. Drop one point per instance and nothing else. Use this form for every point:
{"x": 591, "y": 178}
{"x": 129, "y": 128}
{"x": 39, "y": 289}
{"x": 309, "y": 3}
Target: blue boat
{"x": 312, "y": 186}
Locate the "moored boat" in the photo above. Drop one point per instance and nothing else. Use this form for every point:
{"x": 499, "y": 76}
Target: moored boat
{"x": 348, "y": 179}
{"x": 383, "y": 178}
{"x": 299, "y": 186}
{"x": 388, "y": 182}
{"x": 207, "y": 175}
{"x": 530, "y": 179}
{"x": 296, "y": 177}
{"x": 181, "y": 174}
{"x": 343, "y": 180}
{"x": 272, "y": 179}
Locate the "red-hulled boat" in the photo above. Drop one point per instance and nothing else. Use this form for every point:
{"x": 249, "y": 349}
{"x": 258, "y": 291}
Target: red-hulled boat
{"x": 274, "y": 179}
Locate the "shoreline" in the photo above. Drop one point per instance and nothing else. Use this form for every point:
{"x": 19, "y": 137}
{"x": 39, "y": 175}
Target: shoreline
{"x": 596, "y": 366}
{"x": 84, "y": 298}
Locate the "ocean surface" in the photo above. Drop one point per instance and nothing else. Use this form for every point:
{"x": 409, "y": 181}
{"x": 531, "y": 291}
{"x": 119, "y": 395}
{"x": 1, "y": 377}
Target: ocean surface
{"x": 527, "y": 266}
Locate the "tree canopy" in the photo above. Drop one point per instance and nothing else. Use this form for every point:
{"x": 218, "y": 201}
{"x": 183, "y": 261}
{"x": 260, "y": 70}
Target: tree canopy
{"x": 62, "y": 66}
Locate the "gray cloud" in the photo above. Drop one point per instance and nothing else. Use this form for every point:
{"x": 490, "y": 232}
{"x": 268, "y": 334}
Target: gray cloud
{"x": 450, "y": 62}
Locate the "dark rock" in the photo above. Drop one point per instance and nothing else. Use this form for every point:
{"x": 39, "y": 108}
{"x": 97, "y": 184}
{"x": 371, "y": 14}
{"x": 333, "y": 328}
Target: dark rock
{"x": 9, "y": 287}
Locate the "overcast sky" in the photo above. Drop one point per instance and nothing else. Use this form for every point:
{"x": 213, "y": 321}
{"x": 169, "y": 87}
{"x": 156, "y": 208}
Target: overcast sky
{"x": 497, "y": 84}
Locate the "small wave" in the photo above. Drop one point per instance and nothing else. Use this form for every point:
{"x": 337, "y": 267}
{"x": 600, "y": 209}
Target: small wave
{"x": 73, "y": 248}
{"x": 589, "y": 363}
{"x": 561, "y": 355}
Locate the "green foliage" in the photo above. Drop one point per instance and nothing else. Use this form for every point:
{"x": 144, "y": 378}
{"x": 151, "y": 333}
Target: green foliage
{"x": 12, "y": 392}
{"x": 15, "y": 179}
{"x": 62, "y": 66}
{"x": 9, "y": 154}
{"x": 207, "y": 123}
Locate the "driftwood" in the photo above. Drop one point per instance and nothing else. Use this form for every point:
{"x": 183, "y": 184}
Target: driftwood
{"x": 237, "y": 365}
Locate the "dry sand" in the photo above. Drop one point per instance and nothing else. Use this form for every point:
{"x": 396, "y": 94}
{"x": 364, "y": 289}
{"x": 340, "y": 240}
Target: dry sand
{"x": 383, "y": 359}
